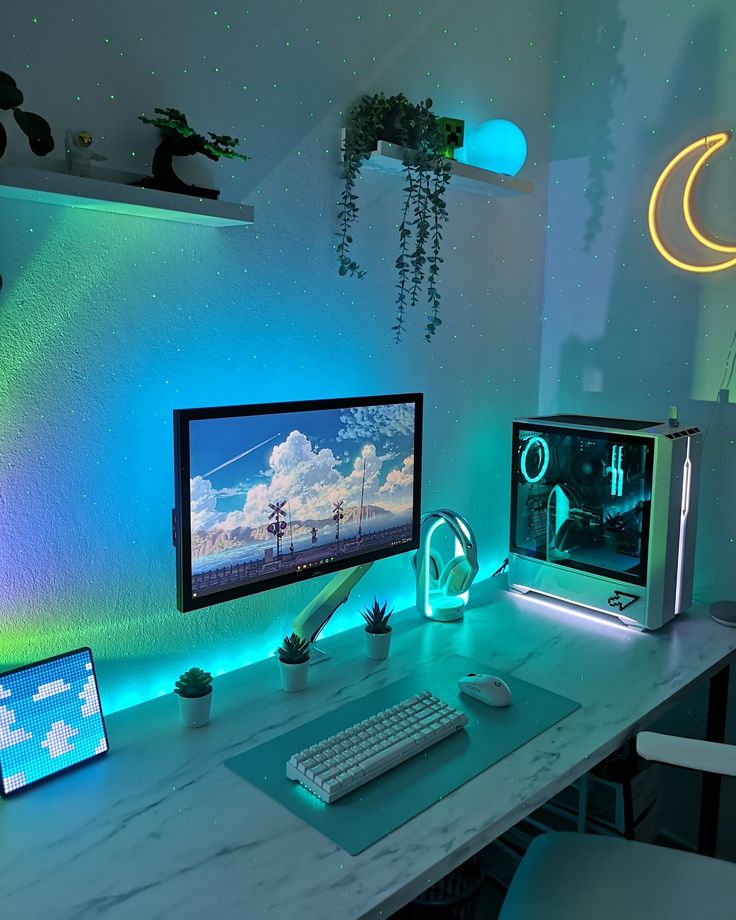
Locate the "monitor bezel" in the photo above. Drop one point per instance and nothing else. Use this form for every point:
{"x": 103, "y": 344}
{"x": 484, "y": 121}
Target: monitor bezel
{"x": 185, "y": 602}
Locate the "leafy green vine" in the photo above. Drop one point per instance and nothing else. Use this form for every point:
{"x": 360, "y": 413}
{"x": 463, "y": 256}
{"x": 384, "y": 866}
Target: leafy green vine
{"x": 427, "y": 171}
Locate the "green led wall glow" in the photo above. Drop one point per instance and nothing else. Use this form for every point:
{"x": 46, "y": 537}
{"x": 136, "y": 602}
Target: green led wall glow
{"x": 110, "y": 321}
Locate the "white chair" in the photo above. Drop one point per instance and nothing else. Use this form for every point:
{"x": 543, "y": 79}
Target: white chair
{"x": 566, "y": 876}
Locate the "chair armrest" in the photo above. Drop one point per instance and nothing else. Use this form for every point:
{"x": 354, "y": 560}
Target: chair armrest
{"x": 687, "y": 752}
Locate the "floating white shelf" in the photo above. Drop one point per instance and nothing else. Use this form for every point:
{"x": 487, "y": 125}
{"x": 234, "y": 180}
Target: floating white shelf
{"x": 388, "y": 158}
{"x": 102, "y": 195}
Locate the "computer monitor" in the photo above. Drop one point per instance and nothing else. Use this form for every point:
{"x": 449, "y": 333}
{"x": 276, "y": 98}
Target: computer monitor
{"x": 271, "y": 494}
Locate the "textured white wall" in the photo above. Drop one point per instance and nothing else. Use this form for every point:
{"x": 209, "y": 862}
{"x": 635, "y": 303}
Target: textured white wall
{"x": 624, "y": 332}
{"x": 108, "y": 322}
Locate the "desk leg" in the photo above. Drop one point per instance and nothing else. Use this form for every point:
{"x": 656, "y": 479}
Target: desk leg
{"x": 710, "y": 790}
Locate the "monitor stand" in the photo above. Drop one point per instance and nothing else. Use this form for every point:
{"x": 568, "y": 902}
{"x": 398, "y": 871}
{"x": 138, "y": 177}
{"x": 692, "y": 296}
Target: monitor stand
{"x": 312, "y": 620}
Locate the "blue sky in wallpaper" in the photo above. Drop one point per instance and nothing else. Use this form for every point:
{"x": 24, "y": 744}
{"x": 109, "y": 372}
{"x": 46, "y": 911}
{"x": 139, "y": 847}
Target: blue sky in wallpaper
{"x": 241, "y": 467}
{"x": 50, "y": 719}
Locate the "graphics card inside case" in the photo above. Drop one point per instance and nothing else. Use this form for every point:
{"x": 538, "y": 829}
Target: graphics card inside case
{"x": 603, "y": 514}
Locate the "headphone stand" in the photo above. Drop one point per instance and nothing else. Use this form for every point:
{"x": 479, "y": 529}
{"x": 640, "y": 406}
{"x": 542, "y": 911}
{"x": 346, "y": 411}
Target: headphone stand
{"x": 442, "y": 587}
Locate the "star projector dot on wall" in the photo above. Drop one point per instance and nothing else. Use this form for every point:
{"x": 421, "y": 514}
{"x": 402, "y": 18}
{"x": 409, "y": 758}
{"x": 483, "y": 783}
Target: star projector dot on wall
{"x": 498, "y": 145}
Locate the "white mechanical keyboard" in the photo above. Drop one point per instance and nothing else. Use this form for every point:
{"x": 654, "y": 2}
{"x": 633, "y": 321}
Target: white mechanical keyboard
{"x": 343, "y": 762}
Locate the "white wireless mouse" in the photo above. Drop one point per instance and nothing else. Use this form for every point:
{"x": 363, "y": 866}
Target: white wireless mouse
{"x": 486, "y": 689}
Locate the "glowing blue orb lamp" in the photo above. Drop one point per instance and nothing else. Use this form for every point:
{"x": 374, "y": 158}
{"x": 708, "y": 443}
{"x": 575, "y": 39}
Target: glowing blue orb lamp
{"x": 498, "y": 145}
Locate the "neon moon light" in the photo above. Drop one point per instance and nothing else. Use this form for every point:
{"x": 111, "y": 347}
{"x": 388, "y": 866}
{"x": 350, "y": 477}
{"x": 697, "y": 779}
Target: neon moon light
{"x": 697, "y": 154}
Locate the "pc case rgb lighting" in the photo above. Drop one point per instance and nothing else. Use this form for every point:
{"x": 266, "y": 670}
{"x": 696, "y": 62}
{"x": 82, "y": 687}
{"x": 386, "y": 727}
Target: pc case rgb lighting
{"x": 603, "y": 514}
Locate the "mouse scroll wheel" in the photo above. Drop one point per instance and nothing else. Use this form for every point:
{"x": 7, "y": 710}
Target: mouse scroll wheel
{"x": 497, "y": 683}
{"x": 472, "y": 675}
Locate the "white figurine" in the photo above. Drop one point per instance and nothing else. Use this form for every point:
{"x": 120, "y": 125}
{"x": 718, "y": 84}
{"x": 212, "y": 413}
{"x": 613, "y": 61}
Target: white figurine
{"x": 79, "y": 154}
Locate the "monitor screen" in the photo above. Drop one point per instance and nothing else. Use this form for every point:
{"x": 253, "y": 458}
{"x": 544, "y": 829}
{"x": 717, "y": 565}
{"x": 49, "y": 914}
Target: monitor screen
{"x": 271, "y": 494}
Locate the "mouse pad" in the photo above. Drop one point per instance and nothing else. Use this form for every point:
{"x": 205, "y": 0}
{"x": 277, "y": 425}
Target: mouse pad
{"x": 362, "y": 817}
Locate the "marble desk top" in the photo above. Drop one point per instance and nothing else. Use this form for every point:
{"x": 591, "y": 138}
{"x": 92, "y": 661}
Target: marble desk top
{"x": 160, "y": 828}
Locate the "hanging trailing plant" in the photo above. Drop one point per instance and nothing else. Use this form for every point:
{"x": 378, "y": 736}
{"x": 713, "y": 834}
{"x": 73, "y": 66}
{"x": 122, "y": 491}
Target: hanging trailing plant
{"x": 427, "y": 173}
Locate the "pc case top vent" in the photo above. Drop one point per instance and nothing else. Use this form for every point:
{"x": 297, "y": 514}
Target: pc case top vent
{"x": 684, "y": 433}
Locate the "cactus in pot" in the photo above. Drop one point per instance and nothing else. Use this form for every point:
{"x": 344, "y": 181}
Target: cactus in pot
{"x": 377, "y": 630}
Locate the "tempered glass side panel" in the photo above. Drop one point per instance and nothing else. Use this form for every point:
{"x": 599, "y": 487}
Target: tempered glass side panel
{"x": 582, "y": 499}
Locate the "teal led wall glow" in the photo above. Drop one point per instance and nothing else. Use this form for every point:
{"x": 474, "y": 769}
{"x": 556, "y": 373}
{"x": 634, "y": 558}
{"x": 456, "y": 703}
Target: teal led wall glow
{"x": 498, "y": 145}
{"x": 109, "y": 321}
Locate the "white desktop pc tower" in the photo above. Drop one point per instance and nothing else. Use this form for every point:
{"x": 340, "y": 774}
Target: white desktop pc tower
{"x": 603, "y": 514}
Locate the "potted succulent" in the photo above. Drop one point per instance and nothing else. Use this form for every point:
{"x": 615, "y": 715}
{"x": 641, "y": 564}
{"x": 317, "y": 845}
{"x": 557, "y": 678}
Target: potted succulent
{"x": 377, "y": 630}
{"x": 194, "y": 689}
{"x": 294, "y": 662}
{"x": 427, "y": 170}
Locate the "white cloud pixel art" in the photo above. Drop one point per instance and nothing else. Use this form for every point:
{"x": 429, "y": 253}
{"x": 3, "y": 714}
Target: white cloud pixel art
{"x": 10, "y": 736}
{"x": 102, "y": 746}
{"x": 51, "y": 689}
{"x": 16, "y": 781}
{"x": 57, "y": 739}
{"x": 4, "y": 694}
{"x": 91, "y": 702}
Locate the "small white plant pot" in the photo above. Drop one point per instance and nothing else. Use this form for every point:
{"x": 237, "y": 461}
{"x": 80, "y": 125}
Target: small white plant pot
{"x": 294, "y": 677}
{"x": 377, "y": 644}
{"x": 194, "y": 711}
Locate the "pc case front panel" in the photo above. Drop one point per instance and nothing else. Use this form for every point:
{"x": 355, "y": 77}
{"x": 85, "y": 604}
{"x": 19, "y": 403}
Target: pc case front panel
{"x": 674, "y": 518}
{"x": 630, "y": 603}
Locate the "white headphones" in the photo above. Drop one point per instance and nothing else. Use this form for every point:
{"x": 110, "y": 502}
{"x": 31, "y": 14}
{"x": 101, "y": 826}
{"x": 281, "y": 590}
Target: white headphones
{"x": 442, "y": 588}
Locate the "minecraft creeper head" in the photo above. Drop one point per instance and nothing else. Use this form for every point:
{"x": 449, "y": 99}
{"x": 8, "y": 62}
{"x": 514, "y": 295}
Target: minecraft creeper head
{"x": 453, "y": 130}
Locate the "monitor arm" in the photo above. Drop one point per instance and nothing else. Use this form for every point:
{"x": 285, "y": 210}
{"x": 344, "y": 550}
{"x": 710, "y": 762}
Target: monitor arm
{"x": 312, "y": 620}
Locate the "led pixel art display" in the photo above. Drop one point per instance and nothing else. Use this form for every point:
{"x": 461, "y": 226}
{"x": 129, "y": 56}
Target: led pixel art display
{"x": 50, "y": 719}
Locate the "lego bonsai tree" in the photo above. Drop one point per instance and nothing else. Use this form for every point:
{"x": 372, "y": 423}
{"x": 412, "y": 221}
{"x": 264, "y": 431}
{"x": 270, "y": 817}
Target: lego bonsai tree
{"x": 179, "y": 140}
{"x": 427, "y": 171}
{"x": 377, "y": 630}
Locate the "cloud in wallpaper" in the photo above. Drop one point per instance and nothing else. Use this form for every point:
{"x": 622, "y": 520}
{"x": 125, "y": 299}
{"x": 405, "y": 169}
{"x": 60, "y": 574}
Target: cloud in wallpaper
{"x": 50, "y": 719}
{"x": 305, "y": 464}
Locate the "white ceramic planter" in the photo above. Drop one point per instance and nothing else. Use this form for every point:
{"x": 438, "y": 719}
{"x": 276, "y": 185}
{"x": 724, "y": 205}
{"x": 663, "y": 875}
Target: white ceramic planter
{"x": 377, "y": 644}
{"x": 194, "y": 711}
{"x": 294, "y": 676}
